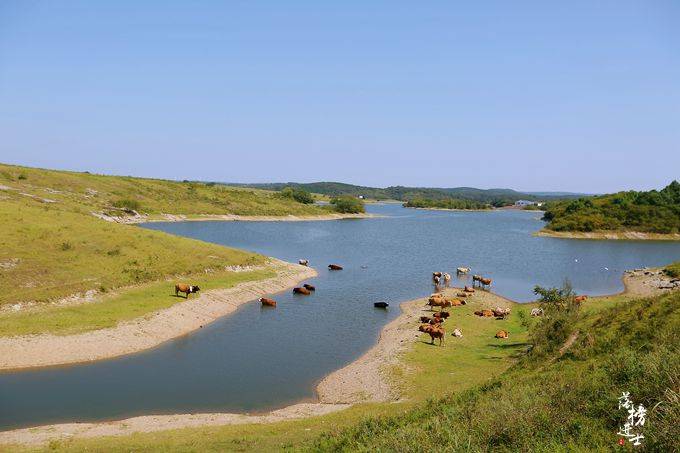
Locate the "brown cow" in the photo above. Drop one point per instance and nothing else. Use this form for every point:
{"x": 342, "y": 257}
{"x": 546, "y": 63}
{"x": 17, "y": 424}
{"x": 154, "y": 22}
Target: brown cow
{"x": 266, "y": 302}
{"x": 485, "y": 313}
{"x": 442, "y": 314}
{"x": 437, "y": 302}
{"x": 301, "y": 290}
{"x": 467, "y": 289}
{"x": 309, "y": 287}
{"x": 502, "y": 334}
{"x": 334, "y": 267}
{"x": 187, "y": 289}
{"x": 435, "y": 331}
{"x": 579, "y": 299}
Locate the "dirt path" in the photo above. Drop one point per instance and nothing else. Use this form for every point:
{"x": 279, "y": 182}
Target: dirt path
{"x": 146, "y": 332}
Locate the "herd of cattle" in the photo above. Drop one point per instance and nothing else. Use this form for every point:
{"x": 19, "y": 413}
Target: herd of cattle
{"x": 432, "y": 325}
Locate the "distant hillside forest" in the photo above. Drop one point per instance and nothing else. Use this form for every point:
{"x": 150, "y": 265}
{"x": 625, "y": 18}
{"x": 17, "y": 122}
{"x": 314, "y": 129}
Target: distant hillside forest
{"x": 447, "y": 203}
{"x": 647, "y": 212}
{"x": 494, "y": 197}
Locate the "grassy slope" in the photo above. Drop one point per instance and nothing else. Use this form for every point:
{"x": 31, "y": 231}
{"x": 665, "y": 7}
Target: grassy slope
{"x": 55, "y": 250}
{"x": 535, "y": 405}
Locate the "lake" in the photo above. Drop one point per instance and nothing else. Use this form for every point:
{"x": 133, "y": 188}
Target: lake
{"x": 259, "y": 359}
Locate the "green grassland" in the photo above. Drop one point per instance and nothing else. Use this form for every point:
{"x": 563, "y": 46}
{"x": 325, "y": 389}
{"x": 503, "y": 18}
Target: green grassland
{"x": 479, "y": 393}
{"x": 52, "y": 247}
{"x": 646, "y": 212}
{"x": 110, "y": 310}
{"x": 84, "y": 192}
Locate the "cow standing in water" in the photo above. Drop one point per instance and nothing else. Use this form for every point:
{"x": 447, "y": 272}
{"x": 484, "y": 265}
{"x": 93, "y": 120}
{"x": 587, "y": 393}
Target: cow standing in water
{"x": 186, "y": 289}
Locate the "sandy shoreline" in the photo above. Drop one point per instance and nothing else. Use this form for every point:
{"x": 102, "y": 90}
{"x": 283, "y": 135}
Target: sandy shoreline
{"x": 150, "y": 331}
{"x": 143, "y": 218}
{"x": 608, "y": 235}
{"x": 363, "y": 380}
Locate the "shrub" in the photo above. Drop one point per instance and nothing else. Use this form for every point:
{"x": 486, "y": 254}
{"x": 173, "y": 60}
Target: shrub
{"x": 127, "y": 204}
{"x": 560, "y": 315}
{"x": 348, "y": 205}
{"x": 299, "y": 195}
{"x": 22, "y": 176}
{"x": 65, "y": 246}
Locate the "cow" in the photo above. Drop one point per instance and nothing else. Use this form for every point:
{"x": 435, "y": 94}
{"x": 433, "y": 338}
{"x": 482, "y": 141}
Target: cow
{"x": 186, "y": 289}
{"x": 442, "y": 314}
{"x": 536, "y": 312}
{"x": 447, "y": 278}
{"x": 485, "y": 282}
{"x": 438, "y": 302}
{"x": 501, "y": 312}
{"x": 381, "y": 304}
{"x": 266, "y": 302}
{"x": 502, "y": 334}
{"x": 309, "y": 287}
{"x": 301, "y": 290}
{"x": 485, "y": 313}
{"x": 434, "y": 331}
{"x": 436, "y": 274}
{"x": 457, "y": 333}
{"x": 475, "y": 279}
{"x": 303, "y": 262}
{"x": 334, "y": 267}
{"x": 462, "y": 270}
{"x": 467, "y": 289}
{"x": 456, "y": 302}
{"x": 579, "y": 299}
{"x": 435, "y": 280}
{"x": 462, "y": 295}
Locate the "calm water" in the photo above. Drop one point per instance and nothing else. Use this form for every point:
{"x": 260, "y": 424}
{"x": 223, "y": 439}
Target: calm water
{"x": 258, "y": 359}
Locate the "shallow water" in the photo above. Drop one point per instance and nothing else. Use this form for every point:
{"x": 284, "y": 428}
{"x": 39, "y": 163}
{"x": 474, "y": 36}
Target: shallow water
{"x": 258, "y": 359}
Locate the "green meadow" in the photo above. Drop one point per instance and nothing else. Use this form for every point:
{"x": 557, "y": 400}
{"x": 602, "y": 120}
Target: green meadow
{"x": 52, "y": 248}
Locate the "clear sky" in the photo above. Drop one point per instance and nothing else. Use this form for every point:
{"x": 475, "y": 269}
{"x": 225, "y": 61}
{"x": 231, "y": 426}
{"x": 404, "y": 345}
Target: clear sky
{"x": 532, "y": 95}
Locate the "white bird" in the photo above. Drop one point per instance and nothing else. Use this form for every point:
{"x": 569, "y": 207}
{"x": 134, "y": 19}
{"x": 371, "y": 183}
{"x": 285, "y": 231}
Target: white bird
{"x": 575, "y": 260}
{"x": 606, "y": 268}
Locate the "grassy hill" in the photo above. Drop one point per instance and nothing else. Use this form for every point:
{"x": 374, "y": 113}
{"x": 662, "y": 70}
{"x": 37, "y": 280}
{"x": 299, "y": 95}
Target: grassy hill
{"x": 647, "y": 212}
{"x": 544, "y": 404}
{"x": 52, "y": 247}
{"x": 497, "y": 197}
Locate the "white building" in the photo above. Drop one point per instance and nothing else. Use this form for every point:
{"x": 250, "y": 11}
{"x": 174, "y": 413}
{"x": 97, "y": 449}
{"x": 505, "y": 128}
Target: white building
{"x": 523, "y": 203}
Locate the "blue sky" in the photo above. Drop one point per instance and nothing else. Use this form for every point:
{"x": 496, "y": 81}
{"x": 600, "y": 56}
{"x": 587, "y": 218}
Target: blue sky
{"x": 577, "y": 95}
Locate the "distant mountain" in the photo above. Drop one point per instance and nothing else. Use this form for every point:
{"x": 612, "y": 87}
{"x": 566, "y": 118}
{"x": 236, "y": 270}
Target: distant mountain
{"x": 497, "y": 197}
{"x": 562, "y": 194}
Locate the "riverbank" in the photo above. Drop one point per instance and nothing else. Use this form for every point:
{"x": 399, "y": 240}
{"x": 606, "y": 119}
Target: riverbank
{"x": 31, "y": 351}
{"x": 608, "y": 235}
{"x": 149, "y": 218}
{"x": 370, "y": 378}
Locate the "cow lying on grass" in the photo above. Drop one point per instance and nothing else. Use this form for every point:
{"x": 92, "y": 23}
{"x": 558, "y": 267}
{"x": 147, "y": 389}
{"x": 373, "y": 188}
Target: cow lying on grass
{"x": 186, "y": 289}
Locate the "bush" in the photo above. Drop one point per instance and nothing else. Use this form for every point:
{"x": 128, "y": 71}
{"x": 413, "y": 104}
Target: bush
{"x": 348, "y": 205}
{"x": 560, "y": 315}
{"x": 127, "y": 204}
{"x": 299, "y": 195}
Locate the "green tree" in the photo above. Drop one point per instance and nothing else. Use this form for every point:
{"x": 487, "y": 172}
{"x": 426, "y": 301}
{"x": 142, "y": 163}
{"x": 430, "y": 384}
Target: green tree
{"x": 348, "y": 205}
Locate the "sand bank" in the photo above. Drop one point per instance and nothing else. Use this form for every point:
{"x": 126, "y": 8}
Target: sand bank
{"x": 147, "y": 332}
{"x": 609, "y": 235}
{"x": 144, "y": 218}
